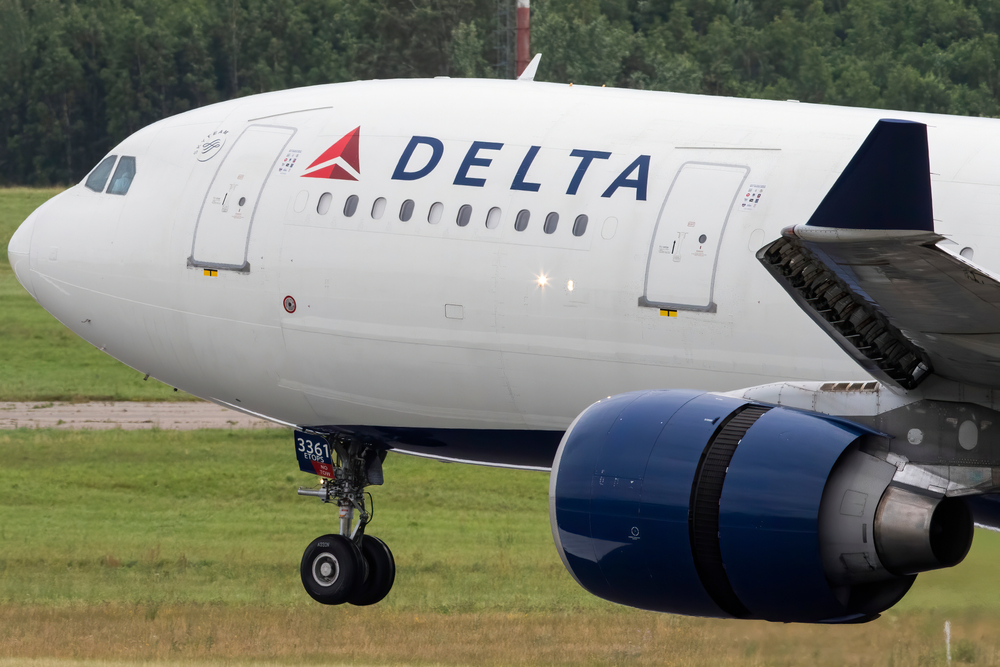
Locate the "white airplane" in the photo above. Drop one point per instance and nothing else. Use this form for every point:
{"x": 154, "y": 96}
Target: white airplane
{"x": 658, "y": 296}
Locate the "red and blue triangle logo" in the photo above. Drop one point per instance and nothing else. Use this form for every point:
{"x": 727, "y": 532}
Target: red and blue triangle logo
{"x": 339, "y": 161}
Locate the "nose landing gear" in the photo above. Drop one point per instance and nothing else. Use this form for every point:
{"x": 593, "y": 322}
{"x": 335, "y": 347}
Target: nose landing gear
{"x": 381, "y": 572}
{"x": 332, "y": 567}
{"x": 350, "y": 566}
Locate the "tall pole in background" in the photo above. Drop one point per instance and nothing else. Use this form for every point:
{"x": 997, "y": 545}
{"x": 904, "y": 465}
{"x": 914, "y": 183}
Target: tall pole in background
{"x": 523, "y": 34}
{"x": 506, "y": 34}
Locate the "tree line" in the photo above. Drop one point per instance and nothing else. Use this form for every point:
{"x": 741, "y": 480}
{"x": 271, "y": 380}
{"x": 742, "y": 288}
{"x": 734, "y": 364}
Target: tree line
{"x": 77, "y": 76}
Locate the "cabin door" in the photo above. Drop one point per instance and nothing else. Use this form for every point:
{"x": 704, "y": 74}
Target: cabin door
{"x": 222, "y": 235}
{"x": 680, "y": 271}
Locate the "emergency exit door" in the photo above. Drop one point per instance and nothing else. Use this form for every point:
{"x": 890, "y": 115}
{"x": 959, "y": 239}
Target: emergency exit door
{"x": 222, "y": 235}
{"x": 680, "y": 271}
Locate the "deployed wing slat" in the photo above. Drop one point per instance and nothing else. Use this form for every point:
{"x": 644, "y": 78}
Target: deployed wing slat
{"x": 899, "y": 305}
{"x": 869, "y": 268}
{"x": 845, "y": 312}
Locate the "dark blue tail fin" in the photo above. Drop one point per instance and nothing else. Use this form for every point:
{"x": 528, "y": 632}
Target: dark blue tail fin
{"x": 887, "y": 184}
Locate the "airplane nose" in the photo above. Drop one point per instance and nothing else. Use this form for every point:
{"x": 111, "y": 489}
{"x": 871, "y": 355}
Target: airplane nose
{"x": 19, "y": 252}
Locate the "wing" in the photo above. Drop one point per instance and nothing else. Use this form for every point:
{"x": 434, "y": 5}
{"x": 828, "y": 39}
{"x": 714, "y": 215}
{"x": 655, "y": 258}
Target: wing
{"x": 870, "y": 270}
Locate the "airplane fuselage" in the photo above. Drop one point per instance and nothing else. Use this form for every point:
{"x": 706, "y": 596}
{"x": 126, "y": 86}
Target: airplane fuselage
{"x": 400, "y": 315}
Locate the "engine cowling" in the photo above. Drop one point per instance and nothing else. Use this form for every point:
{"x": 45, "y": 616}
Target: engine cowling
{"x": 703, "y": 504}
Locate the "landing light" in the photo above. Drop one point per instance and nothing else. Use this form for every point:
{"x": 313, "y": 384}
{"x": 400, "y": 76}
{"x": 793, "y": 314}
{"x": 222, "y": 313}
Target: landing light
{"x": 543, "y": 280}
{"x": 570, "y": 286}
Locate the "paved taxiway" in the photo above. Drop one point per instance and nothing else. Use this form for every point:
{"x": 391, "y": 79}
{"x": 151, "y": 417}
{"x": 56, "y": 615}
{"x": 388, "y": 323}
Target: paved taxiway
{"x": 188, "y": 415}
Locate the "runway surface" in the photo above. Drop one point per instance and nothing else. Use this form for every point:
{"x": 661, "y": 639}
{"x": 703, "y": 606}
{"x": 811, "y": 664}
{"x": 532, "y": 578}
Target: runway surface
{"x": 188, "y": 415}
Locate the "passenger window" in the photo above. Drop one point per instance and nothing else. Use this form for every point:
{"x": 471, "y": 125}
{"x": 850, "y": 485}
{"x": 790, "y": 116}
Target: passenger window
{"x": 464, "y": 215}
{"x": 434, "y": 215}
{"x": 521, "y": 221}
{"x": 323, "y": 206}
{"x": 350, "y": 206}
{"x": 406, "y": 210}
{"x": 493, "y": 218}
{"x": 378, "y": 208}
{"x": 122, "y": 180}
{"x": 551, "y": 222}
{"x": 99, "y": 177}
{"x": 580, "y": 225}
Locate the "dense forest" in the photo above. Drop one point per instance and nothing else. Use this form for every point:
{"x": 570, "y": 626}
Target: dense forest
{"x": 76, "y": 76}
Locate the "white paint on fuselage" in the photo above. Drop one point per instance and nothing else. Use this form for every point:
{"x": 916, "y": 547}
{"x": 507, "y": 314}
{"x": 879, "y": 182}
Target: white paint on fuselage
{"x": 369, "y": 342}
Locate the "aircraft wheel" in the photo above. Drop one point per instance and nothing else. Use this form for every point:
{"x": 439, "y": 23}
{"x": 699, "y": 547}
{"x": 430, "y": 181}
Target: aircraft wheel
{"x": 332, "y": 569}
{"x": 381, "y": 572}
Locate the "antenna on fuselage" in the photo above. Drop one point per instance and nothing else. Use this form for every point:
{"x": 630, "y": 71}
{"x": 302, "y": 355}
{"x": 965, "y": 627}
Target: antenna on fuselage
{"x": 529, "y": 72}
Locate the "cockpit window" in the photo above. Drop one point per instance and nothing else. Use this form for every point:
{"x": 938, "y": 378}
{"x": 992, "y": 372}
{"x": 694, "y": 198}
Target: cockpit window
{"x": 99, "y": 177}
{"x": 124, "y": 174}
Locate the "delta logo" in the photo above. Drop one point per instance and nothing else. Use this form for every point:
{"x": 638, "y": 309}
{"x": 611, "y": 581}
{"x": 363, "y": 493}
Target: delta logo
{"x": 340, "y": 161}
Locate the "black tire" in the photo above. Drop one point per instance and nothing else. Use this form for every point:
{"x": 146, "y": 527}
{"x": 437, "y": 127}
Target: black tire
{"x": 332, "y": 569}
{"x": 381, "y": 572}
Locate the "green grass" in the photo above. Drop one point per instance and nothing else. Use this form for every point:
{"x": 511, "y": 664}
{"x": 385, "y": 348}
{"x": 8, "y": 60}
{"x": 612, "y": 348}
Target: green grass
{"x": 40, "y": 359}
{"x": 211, "y": 517}
{"x": 152, "y": 547}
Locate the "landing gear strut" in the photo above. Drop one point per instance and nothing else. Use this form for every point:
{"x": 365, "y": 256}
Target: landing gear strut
{"x": 350, "y": 566}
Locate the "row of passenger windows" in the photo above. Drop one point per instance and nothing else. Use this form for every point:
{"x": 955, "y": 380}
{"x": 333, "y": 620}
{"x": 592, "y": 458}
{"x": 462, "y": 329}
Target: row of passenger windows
{"x": 462, "y": 219}
{"x": 120, "y": 182}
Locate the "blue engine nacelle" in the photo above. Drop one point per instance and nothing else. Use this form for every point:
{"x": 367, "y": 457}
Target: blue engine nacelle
{"x": 707, "y": 505}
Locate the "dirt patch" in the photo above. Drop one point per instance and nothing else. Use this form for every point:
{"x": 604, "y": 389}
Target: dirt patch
{"x": 125, "y": 415}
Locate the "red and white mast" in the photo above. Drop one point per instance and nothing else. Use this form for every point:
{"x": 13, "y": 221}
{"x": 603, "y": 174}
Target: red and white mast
{"x": 523, "y": 34}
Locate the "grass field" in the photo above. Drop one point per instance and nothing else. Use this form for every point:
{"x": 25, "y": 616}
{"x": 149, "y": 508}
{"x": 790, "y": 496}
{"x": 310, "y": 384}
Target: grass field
{"x": 352, "y": 636}
{"x": 40, "y": 359}
{"x": 212, "y": 517}
{"x": 147, "y": 545}
{"x": 158, "y": 547}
